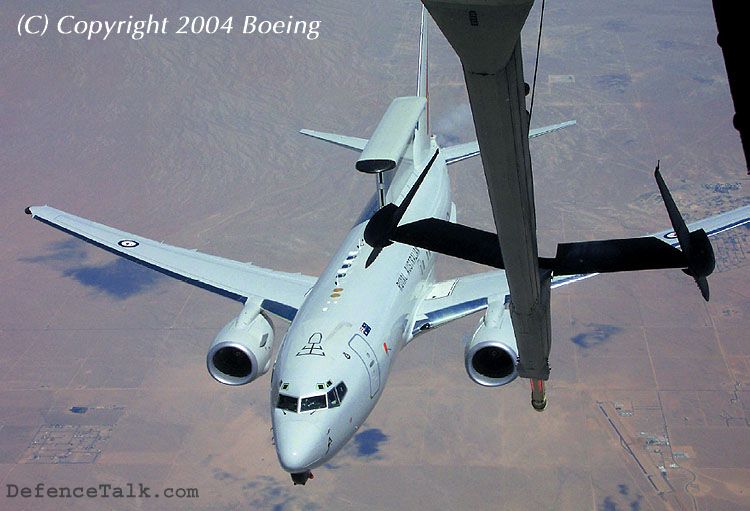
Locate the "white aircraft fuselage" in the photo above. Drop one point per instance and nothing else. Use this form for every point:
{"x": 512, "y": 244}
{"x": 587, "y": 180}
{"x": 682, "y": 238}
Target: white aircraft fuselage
{"x": 350, "y": 328}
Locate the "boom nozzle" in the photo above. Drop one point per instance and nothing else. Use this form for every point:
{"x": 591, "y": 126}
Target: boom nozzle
{"x": 538, "y": 394}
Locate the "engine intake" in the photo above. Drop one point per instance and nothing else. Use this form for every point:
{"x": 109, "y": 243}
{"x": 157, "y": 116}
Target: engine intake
{"x": 491, "y": 355}
{"x": 491, "y": 364}
{"x": 241, "y": 352}
{"x": 232, "y": 359}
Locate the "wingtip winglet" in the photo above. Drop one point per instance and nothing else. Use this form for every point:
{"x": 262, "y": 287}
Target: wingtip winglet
{"x": 27, "y": 210}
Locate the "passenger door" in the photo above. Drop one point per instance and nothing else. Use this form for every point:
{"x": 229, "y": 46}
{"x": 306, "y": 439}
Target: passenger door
{"x": 367, "y": 355}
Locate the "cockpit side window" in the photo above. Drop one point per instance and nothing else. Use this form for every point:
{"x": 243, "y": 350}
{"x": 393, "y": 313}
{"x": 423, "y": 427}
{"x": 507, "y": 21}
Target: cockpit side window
{"x": 341, "y": 390}
{"x": 333, "y": 399}
{"x": 313, "y": 403}
{"x": 287, "y": 403}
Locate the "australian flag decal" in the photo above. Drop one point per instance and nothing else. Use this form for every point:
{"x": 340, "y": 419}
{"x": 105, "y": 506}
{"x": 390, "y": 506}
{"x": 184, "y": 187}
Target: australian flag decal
{"x": 365, "y": 329}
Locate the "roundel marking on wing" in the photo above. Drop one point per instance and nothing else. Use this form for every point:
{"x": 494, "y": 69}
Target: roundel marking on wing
{"x": 128, "y": 243}
{"x": 671, "y": 235}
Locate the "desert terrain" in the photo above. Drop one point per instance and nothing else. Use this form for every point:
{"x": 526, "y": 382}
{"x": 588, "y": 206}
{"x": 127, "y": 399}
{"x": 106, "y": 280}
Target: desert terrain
{"x": 193, "y": 140}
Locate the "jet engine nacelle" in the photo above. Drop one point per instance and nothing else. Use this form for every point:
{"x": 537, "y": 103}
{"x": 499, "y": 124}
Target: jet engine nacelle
{"x": 492, "y": 354}
{"x": 242, "y": 350}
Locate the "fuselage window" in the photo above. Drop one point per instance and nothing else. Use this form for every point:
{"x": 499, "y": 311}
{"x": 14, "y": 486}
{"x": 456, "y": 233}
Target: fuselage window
{"x": 333, "y": 399}
{"x": 341, "y": 390}
{"x": 288, "y": 403}
{"x": 313, "y": 403}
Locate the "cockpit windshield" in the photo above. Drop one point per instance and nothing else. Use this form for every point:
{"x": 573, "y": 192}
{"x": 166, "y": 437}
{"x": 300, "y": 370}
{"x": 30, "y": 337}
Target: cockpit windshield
{"x": 288, "y": 403}
{"x": 311, "y": 403}
{"x": 332, "y": 399}
{"x": 341, "y": 390}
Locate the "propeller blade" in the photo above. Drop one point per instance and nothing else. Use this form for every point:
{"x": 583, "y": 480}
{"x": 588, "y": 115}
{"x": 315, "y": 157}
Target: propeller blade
{"x": 378, "y": 228}
{"x": 703, "y": 286}
{"x": 695, "y": 245}
{"x": 373, "y": 255}
{"x": 678, "y": 224}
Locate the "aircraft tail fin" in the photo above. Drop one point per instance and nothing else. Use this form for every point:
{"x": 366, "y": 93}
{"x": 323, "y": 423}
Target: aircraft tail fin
{"x": 422, "y": 133}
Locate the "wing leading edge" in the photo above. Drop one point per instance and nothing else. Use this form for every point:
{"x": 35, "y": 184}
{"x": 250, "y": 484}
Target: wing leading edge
{"x": 278, "y": 293}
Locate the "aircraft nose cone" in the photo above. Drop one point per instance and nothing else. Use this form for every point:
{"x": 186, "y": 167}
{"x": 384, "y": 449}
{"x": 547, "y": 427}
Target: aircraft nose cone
{"x": 299, "y": 445}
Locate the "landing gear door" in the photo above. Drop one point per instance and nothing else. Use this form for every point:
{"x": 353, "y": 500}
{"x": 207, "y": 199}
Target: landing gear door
{"x": 367, "y": 355}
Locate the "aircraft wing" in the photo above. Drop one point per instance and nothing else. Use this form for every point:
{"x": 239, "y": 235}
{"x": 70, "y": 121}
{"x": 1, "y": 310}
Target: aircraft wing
{"x": 712, "y": 225}
{"x": 278, "y": 293}
{"x": 456, "y": 298}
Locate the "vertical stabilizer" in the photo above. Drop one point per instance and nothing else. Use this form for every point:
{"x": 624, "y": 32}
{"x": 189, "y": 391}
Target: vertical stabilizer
{"x": 422, "y": 133}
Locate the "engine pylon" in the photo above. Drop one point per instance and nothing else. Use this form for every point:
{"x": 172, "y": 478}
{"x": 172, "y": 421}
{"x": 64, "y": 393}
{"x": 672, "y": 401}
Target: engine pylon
{"x": 538, "y": 394}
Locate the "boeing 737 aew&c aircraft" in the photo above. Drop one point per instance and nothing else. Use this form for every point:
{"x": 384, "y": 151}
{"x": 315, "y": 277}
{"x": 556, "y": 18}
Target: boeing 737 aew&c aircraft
{"x": 375, "y": 296}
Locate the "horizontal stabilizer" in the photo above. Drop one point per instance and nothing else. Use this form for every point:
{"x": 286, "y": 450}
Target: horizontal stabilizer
{"x": 538, "y": 132}
{"x": 355, "y": 143}
{"x": 460, "y": 152}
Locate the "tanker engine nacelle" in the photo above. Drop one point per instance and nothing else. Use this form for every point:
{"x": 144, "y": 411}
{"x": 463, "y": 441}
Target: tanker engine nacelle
{"x": 242, "y": 350}
{"x": 492, "y": 354}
